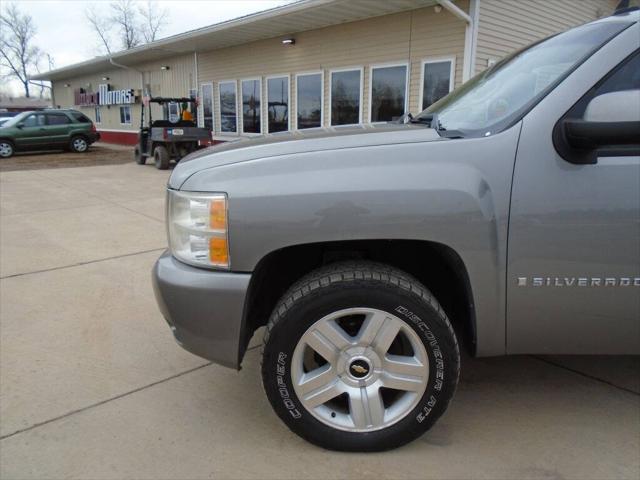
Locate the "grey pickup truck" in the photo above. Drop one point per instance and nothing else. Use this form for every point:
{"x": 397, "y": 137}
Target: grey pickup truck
{"x": 504, "y": 219}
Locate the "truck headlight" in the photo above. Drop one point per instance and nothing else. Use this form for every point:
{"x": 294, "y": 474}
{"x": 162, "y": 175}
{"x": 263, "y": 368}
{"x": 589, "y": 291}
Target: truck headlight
{"x": 197, "y": 228}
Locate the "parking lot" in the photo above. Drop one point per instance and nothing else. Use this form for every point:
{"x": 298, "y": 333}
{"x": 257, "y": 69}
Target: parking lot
{"x": 92, "y": 384}
{"x": 98, "y": 154}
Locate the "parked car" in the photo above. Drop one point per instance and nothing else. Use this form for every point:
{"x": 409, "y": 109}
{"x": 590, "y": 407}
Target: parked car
{"x": 47, "y": 130}
{"x": 504, "y": 219}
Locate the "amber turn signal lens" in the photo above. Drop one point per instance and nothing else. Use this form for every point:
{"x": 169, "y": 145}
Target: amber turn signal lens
{"x": 218, "y": 251}
{"x": 218, "y": 214}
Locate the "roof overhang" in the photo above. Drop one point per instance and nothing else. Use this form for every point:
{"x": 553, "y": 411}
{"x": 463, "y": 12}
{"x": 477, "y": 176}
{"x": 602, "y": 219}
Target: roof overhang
{"x": 288, "y": 19}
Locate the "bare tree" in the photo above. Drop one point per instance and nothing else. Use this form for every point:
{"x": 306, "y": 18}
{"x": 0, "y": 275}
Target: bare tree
{"x": 18, "y": 55}
{"x": 101, "y": 25}
{"x": 132, "y": 21}
{"x": 6, "y": 92}
{"x": 125, "y": 19}
{"x": 40, "y": 83}
{"x": 154, "y": 19}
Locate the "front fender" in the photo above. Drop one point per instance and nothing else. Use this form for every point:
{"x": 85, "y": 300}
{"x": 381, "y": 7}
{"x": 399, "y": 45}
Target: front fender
{"x": 453, "y": 192}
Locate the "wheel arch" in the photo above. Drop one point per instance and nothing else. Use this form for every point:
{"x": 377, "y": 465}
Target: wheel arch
{"x": 439, "y": 267}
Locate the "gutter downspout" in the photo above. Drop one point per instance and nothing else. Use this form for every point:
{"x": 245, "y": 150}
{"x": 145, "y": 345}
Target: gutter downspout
{"x": 470, "y": 33}
{"x": 474, "y": 10}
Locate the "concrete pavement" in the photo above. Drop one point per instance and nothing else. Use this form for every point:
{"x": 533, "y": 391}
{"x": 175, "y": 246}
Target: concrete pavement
{"x": 93, "y": 386}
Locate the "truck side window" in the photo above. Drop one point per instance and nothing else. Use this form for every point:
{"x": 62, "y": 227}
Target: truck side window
{"x": 625, "y": 76}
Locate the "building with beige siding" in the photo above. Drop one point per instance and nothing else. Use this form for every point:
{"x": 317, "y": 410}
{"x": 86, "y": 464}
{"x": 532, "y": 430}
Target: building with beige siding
{"x": 313, "y": 63}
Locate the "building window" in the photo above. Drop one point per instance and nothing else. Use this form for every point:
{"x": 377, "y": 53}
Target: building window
{"x": 437, "y": 80}
{"x": 207, "y": 105}
{"x": 346, "y": 97}
{"x": 387, "y": 93}
{"x": 251, "y": 97}
{"x": 98, "y": 115}
{"x": 309, "y": 90}
{"x": 125, "y": 115}
{"x": 277, "y": 104}
{"x": 228, "y": 107}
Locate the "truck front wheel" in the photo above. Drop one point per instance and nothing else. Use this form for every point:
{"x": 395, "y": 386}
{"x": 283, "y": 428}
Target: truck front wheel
{"x": 359, "y": 356}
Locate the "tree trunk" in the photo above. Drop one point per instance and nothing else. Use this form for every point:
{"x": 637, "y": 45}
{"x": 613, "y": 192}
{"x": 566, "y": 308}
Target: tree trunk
{"x": 26, "y": 89}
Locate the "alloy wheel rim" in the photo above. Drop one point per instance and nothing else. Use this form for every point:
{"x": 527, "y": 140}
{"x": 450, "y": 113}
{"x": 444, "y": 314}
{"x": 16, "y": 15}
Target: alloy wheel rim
{"x": 80, "y": 145}
{"x": 360, "y": 369}
{"x": 5, "y": 149}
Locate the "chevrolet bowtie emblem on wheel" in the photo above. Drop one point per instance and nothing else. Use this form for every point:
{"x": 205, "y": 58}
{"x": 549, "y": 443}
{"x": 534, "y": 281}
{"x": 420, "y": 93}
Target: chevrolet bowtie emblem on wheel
{"x": 359, "y": 369}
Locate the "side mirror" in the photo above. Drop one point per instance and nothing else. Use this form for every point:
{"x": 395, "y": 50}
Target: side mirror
{"x": 20, "y": 125}
{"x": 621, "y": 106}
{"x": 610, "y": 126}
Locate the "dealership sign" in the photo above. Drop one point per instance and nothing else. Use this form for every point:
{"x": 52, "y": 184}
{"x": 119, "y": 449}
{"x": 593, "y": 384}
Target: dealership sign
{"x": 104, "y": 96}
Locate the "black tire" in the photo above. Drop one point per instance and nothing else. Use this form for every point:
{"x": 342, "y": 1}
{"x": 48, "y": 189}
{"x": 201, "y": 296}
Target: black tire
{"x": 78, "y": 144}
{"x": 161, "y": 157}
{"x": 349, "y": 285}
{"x": 6, "y": 149}
{"x": 137, "y": 156}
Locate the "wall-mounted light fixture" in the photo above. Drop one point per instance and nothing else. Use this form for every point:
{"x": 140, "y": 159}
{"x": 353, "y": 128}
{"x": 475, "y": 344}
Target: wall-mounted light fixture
{"x": 164, "y": 67}
{"x": 289, "y": 41}
{"x": 105, "y": 78}
{"x": 67, "y": 85}
{"x": 437, "y": 8}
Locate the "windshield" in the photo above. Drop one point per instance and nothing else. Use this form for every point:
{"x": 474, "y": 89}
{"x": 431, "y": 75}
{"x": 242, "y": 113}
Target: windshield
{"x": 500, "y": 96}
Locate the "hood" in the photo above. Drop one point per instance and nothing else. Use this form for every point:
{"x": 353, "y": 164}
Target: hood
{"x": 291, "y": 143}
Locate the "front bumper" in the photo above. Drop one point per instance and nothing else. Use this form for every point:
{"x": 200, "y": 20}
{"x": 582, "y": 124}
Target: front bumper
{"x": 204, "y": 308}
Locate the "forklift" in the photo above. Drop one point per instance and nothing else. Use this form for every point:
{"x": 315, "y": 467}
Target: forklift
{"x": 171, "y": 139}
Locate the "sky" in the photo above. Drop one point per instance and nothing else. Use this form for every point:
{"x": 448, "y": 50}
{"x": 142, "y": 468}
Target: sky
{"x": 64, "y": 33}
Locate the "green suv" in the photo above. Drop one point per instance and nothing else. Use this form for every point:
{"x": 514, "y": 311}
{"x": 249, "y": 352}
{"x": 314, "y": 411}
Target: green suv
{"x": 47, "y": 130}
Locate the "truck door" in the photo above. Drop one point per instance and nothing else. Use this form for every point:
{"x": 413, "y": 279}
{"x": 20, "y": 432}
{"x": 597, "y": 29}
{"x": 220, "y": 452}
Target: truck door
{"x": 573, "y": 275}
